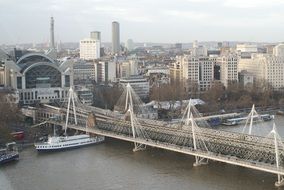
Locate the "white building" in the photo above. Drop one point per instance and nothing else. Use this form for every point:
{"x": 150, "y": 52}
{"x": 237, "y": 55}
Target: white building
{"x": 243, "y": 64}
{"x": 267, "y": 67}
{"x": 176, "y": 74}
{"x": 190, "y": 67}
{"x": 229, "y": 68}
{"x": 128, "y": 68}
{"x": 139, "y": 84}
{"x": 158, "y": 70}
{"x": 105, "y": 71}
{"x": 177, "y": 104}
{"x": 250, "y": 48}
{"x": 279, "y": 50}
{"x": 89, "y": 49}
{"x": 206, "y": 73}
{"x": 198, "y": 50}
{"x": 245, "y": 50}
{"x": 197, "y": 69}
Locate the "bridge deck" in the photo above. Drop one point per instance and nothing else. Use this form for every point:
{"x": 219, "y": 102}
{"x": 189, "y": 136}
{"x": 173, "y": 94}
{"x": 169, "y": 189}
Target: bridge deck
{"x": 187, "y": 150}
{"x": 237, "y": 149}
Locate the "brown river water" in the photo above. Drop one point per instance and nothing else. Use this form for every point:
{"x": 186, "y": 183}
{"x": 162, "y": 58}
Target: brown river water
{"x": 113, "y": 165}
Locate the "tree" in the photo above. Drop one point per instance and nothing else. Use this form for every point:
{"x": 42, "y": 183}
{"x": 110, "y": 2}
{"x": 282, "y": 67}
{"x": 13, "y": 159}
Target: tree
{"x": 215, "y": 93}
{"x": 107, "y": 96}
{"x": 10, "y": 115}
{"x": 245, "y": 101}
{"x": 192, "y": 88}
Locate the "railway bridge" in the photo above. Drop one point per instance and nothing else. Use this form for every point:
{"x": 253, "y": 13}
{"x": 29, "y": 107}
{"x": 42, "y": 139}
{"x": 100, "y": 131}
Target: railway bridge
{"x": 191, "y": 136}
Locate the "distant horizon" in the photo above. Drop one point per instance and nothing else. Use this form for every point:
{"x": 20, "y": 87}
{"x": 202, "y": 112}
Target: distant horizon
{"x": 156, "y": 21}
{"x": 166, "y": 43}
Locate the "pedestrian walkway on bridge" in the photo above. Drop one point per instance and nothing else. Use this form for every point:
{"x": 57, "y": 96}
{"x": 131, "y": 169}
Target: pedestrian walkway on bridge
{"x": 188, "y": 137}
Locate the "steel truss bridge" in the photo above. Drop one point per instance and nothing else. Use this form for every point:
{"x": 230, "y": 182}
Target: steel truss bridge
{"x": 246, "y": 150}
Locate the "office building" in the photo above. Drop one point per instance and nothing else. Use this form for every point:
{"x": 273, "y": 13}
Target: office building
{"x": 198, "y": 70}
{"x": 278, "y": 50}
{"x": 128, "y": 68}
{"x": 269, "y": 49}
{"x": 193, "y": 71}
{"x": 115, "y": 38}
{"x": 158, "y": 70}
{"x": 139, "y": 84}
{"x": 84, "y": 70}
{"x": 229, "y": 68}
{"x": 95, "y": 35}
{"x": 244, "y": 63}
{"x": 198, "y": 50}
{"x": 176, "y": 75}
{"x": 129, "y": 44}
{"x": 105, "y": 71}
{"x": 89, "y": 49}
{"x": 217, "y": 69}
{"x": 206, "y": 73}
{"x": 269, "y": 68}
{"x": 250, "y": 48}
{"x": 245, "y": 50}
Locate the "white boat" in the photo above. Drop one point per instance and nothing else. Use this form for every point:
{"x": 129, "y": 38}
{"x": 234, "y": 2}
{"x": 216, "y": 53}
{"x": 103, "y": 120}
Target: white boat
{"x": 9, "y": 154}
{"x": 256, "y": 118}
{"x": 56, "y": 143}
{"x": 62, "y": 143}
{"x": 230, "y": 123}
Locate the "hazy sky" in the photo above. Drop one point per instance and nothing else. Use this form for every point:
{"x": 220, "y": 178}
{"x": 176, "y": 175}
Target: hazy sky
{"x": 143, "y": 20}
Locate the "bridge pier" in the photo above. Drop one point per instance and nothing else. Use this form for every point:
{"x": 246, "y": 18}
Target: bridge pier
{"x": 138, "y": 147}
{"x": 200, "y": 161}
{"x": 280, "y": 181}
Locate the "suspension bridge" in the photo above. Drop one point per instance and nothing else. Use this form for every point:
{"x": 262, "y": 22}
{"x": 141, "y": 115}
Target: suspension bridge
{"x": 191, "y": 136}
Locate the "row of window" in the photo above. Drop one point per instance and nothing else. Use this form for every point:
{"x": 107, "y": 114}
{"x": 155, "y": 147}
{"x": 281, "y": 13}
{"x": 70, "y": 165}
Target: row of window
{"x": 88, "y": 42}
{"x": 58, "y": 146}
{"x": 34, "y": 95}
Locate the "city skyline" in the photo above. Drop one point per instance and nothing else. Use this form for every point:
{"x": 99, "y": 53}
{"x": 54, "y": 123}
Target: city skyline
{"x": 144, "y": 21}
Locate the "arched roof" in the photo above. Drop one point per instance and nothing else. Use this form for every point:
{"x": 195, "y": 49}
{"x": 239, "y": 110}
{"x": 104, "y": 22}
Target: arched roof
{"x": 30, "y": 55}
{"x": 42, "y": 71}
{"x": 27, "y": 67}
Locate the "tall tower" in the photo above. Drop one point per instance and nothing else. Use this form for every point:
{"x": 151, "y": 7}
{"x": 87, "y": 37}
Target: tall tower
{"x": 115, "y": 38}
{"x": 51, "y": 45}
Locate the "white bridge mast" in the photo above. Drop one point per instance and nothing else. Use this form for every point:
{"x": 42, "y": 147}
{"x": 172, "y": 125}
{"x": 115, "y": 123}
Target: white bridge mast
{"x": 71, "y": 97}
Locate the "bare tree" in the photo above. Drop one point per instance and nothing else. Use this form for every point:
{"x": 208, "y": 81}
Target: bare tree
{"x": 107, "y": 96}
{"x": 10, "y": 115}
{"x": 192, "y": 88}
{"x": 215, "y": 93}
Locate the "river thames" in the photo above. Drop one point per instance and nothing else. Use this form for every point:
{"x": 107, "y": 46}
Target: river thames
{"x": 113, "y": 165}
